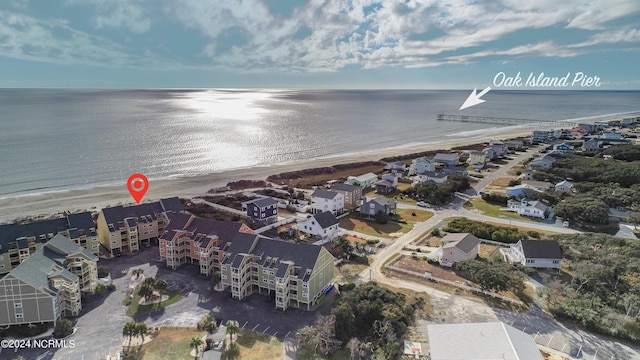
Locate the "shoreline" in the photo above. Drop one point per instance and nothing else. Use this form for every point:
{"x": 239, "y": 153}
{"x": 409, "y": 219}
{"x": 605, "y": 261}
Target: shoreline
{"x": 95, "y": 198}
{"x": 42, "y": 205}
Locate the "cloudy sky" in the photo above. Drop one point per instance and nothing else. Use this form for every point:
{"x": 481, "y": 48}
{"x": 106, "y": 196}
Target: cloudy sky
{"x": 428, "y": 44}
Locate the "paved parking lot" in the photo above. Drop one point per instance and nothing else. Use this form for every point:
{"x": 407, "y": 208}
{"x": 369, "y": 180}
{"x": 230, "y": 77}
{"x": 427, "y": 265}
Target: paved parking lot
{"x": 99, "y": 328}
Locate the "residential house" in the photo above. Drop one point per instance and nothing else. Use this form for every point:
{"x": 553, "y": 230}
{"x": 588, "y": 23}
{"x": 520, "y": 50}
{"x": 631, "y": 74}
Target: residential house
{"x": 490, "y": 153}
{"x": 515, "y": 145}
{"x": 545, "y": 162}
{"x": 387, "y": 184}
{"x": 527, "y": 174}
{"x": 263, "y": 210}
{"x": 48, "y": 285}
{"x": 477, "y": 159}
{"x": 421, "y": 165}
{"x": 629, "y": 121}
{"x": 495, "y": 340}
{"x": 578, "y": 131}
{"x": 321, "y": 226}
{"x": 19, "y": 241}
{"x": 536, "y": 208}
{"x": 540, "y": 186}
{"x": 370, "y": 207}
{"x": 397, "y": 167}
{"x": 458, "y": 247}
{"x": 446, "y": 159}
{"x": 534, "y": 253}
{"x": 297, "y": 274}
{"x": 364, "y": 181}
{"x": 500, "y": 146}
{"x": 590, "y": 146}
{"x": 351, "y": 193}
{"x": 122, "y": 228}
{"x": 542, "y": 136}
{"x": 589, "y": 128}
{"x": 188, "y": 239}
{"x": 438, "y": 177}
{"x": 562, "y": 148}
{"x": 516, "y": 191}
{"x": 458, "y": 170}
{"x": 611, "y": 136}
{"x": 326, "y": 200}
{"x": 563, "y": 186}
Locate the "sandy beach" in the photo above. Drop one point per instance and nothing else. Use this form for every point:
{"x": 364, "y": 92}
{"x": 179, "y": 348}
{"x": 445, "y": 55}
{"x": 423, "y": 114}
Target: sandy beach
{"x": 95, "y": 198}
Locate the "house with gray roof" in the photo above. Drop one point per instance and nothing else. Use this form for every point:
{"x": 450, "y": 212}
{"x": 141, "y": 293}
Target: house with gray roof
{"x": 370, "y": 207}
{"x": 122, "y": 228}
{"x": 447, "y": 159}
{"x": 495, "y": 340}
{"x": 327, "y": 200}
{"x": 364, "y": 180}
{"x": 297, "y": 273}
{"x": 351, "y": 193}
{"x": 534, "y": 253}
{"x": 19, "y": 241}
{"x": 48, "y": 284}
{"x": 536, "y": 208}
{"x": 262, "y": 210}
{"x": 458, "y": 247}
{"x": 387, "y": 184}
{"x": 322, "y": 226}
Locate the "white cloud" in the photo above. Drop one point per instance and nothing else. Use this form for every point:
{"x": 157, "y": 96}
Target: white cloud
{"x": 611, "y": 37}
{"x": 128, "y": 14}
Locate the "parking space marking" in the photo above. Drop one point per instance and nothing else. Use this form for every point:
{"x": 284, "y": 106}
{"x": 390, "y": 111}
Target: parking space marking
{"x": 245, "y": 324}
{"x": 254, "y": 328}
{"x": 275, "y": 333}
{"x": 265, "y": 330}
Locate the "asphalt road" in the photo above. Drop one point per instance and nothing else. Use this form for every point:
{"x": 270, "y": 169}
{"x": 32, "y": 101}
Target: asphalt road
{"x": 457, "y": 309}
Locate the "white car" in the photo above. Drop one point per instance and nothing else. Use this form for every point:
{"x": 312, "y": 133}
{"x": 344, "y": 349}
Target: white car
{"x": 421, "y": 204}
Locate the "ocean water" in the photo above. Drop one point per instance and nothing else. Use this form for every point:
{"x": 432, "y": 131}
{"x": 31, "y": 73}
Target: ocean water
{"x": 62, "y": 139}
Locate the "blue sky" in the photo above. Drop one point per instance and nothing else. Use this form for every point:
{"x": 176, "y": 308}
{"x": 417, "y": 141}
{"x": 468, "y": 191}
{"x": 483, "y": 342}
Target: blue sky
{"x": 430, "y": 44}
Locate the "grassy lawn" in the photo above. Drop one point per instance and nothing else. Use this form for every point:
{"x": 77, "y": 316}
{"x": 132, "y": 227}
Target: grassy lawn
{"x": 494, "y": 211}
{"x": 255, "y": 345}
{"x": 136, "y": 309}
{"x": 170, "y": 343}
{"x": 371, "y": 227}
{"x": 421, "y": 215}
{"x": 347, "y": 272}
{"x": 307, "y": 354}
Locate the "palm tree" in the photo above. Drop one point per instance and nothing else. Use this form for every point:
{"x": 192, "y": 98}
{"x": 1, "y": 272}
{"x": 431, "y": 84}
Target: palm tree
{"x": 195, "y": 343}
{"x": 145, "y": 291}
{"x": 130, "y": 329}
{"x": 232, "y": 328}
{"x": 141, "y": 330}
{"x": 161, "y": 284}
{"x": 137, "y": 273}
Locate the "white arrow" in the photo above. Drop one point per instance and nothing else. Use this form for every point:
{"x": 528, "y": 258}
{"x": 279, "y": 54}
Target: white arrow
{"x": 474, "y": 99}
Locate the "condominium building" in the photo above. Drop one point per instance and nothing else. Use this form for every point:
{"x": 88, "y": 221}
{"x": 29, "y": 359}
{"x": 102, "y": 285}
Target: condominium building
{"x": 48, "y": 284}
{"x": 297, "y": 274}
{"x": 19, "y": 241}
{"x": 195, "y": 240}
{"x": 121, "y": 229}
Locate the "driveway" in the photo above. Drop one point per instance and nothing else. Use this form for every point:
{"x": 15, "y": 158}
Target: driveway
{"x": 99, "y": 328}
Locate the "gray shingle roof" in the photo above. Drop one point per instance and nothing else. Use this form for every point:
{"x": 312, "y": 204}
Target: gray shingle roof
{"x": 118, "y": 213}
{"x": 541, "y": 249}
{"x": 463, "y": 241}
{"x": 325, "y": 194}
{"x": 326, "y": 219}
{"x": 264, "y": 202}
{"x": 382, "y": 200}
{"x": 224, "y": 230}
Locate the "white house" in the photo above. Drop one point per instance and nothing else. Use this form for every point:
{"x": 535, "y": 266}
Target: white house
{"x": 563, "y": 186}
{"x": 536, "y": 208}
{"x": 436, "y": 177}
{"x": 363, "y": 181}
{"x": 322, "y": 226}
{"x": 545, "y": 162}
{"x": 325, "y": 200}
{"x": 421, "y": 165}
{"x": 459, "y": 247}
{"x": 534, "y": 253}
{"x": 477, "y": 159}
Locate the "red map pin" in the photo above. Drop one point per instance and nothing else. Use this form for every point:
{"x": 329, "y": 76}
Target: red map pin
{"x": 138, "y": 186}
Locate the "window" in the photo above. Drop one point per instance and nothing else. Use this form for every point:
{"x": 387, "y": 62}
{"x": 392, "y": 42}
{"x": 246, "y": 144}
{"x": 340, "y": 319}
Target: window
{"x": 224, "y": 277}
{"x": 265, "y": 280}
{"x": 305, "y": 295}
{"x": 556, "y": 261}
{"x": 19, "y": 316}
{"x": 264, "y": 271}
{"x": 305, "y": 285}
{"x": 224, "y": 267}
{"x": 17, "y": 305}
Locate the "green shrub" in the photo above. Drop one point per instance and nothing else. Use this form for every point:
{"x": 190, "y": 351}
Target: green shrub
{"x": 63, "y": 328}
